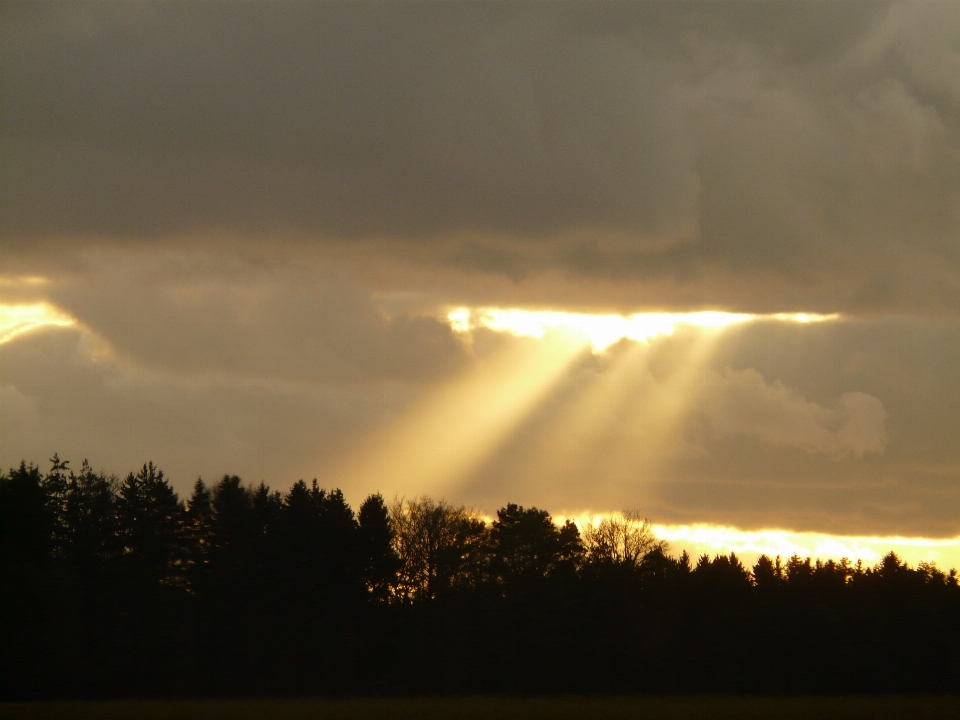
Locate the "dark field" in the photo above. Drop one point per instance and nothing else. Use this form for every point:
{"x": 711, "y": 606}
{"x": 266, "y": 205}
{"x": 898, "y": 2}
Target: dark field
{"x": 694, "y": 708}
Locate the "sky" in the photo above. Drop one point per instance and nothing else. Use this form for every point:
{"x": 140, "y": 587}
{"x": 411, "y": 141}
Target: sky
{"x": 697, "y": 259}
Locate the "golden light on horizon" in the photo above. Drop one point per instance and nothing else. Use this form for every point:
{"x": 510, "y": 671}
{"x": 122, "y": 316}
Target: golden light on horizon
{"x": 712, "y": 539}
{"x": 824, "y": 546}
{"x": 18, "y": 319}
{"x": 750, "y": 544}
{"x": 603, "y": 330}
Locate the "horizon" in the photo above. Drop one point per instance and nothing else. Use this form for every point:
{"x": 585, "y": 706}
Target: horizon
{"x": 699, "y": 539}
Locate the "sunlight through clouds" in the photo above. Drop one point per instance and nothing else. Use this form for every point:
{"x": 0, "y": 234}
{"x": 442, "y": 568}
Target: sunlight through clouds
{"x": 629, "y": 417}
{"x": 18, "y": 319}
{"x": 460, "y": 424}
{"x": 603, "y": 330}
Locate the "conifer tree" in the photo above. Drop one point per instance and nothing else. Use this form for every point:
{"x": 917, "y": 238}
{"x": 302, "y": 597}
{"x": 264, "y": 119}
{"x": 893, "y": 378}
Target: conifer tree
{"x": 381, "y": 562}
{"x": 151, "y": 526}
{"x": 26, "y": 520}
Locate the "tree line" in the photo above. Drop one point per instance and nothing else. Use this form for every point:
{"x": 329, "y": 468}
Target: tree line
{"x": 115, "y": 587}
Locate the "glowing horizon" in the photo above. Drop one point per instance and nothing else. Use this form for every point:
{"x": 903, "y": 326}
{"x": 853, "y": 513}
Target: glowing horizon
{"x": 605, "y": 329}
{"x": 713, "y": 539}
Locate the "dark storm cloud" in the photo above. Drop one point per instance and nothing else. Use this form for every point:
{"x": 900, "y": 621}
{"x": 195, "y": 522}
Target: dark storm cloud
{"x": 335, "y": 118}
{"x": 638, "y": 140}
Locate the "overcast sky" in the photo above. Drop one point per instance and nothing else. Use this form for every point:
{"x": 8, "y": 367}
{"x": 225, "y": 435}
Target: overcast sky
{"x": 256, "y": 217}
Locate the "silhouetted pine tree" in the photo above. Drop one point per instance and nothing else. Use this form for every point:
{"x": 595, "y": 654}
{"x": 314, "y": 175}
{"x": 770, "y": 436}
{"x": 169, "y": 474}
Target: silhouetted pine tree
{"x": 90, "y": 521}
{"x": 380, "y": 561}
{"x": 198, "y": 533}
{"x": 526, "y": 545}
{"x": 151, "y": 527}
{"x": 26, "y": 518}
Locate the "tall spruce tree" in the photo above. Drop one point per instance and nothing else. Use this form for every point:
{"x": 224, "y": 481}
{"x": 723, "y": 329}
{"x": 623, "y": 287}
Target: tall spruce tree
{"x": 151, "y": 527}
{"x": 380, "y": 561}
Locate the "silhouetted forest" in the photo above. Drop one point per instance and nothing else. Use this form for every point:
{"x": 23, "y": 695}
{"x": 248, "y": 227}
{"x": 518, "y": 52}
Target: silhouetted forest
{"x": 117, "y": 587}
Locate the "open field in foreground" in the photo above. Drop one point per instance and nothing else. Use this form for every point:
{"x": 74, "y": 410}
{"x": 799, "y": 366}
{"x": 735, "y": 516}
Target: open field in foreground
{"x": 487, "y": 708}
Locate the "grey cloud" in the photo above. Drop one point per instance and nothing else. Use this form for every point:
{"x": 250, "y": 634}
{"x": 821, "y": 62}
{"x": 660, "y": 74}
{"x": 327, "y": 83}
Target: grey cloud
{"x": 58, "y": 396}
{"x": 335, "y": 118}
{"x": 744, "y": 402}
{"x": 782, "y": 145}
{"x": 19, "y": 418}
{"x": 905, "y": 363}
{"x": 862, "y": 425}
{"x": 304, "y": 324}
{"x": 909, "y": 487}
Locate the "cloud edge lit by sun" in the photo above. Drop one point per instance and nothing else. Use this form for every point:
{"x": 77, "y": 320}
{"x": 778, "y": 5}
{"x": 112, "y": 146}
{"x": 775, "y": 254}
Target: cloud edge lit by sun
{"x": 603, "y": 330}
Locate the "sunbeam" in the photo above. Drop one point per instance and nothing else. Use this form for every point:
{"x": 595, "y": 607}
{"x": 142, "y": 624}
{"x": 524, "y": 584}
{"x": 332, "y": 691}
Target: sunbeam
{"x": 431, "y": 448}
{"x": 558, "y": 440}
{"x": 621, "y": 415}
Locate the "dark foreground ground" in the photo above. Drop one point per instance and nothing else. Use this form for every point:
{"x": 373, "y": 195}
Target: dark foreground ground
{"x": 682, "y": 708}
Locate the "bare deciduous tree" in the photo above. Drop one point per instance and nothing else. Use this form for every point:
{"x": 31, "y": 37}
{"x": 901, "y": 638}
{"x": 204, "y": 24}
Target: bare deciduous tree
{"x": 441, "y": 546}
{"x": 623, "y": 539}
